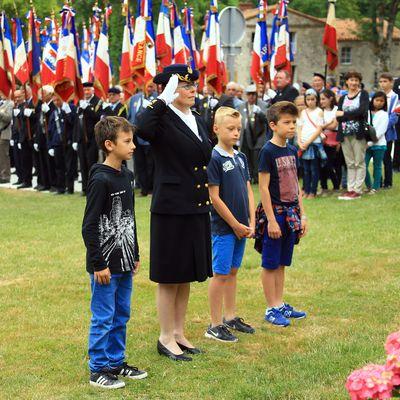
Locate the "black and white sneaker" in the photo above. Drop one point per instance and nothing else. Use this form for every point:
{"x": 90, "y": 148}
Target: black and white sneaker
{"x": 105, "y": 380}
{"x": 220, "y": 333}
{"x": 127, "y": 371}
{"x": 239, "y": 325}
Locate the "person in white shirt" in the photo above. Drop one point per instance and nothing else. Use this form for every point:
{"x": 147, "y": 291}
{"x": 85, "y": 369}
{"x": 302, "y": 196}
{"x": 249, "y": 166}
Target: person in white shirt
{"x": 379, "y": 119}
{"x": 386, "y": 85}
{"x": 332, "y": 170}
{"x": 310, "y": 144}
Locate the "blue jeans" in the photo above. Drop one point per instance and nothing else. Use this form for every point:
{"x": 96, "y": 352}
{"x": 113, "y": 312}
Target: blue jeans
{"x": 311, "y": 175}
{"x": 111, "y": 308}
{"x": 377, "y": 155}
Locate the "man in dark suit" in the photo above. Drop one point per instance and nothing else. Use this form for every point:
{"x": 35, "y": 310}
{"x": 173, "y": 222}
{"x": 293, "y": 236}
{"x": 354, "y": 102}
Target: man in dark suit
{"x": 284, "y": 90}
{"x": 143, "y": 157}
{"x": 88, "y": 114}
{"x": 254, "y": 129}
{"x": 28, "y": 118}
{"x": 46, "y": 170}
{"x": 114, "y": 106}
{"x": 209, "y": 105}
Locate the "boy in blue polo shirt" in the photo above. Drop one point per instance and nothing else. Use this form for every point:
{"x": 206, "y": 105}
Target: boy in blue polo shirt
{"x": 285, "y": 221}
{"x": 232, "y": 221}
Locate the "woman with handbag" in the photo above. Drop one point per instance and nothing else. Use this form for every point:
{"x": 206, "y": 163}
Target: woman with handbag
{"x": 379, "y": 119}
{"x": 352, "y": 117}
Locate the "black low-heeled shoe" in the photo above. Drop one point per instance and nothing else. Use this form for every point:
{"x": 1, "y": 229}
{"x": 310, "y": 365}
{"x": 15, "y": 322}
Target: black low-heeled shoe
{"x": 163, "y": 351}
{"x": 190, "y": 350}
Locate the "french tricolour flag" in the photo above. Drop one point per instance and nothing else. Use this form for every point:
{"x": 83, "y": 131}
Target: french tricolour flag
{"x": 281, "y": 56}
{"x": 7, "y": 81}
{"x": 163, "y": 37}
{"x": 49, "y": 57}
{"x": 181, "y": 52}
{"x": 102, "y": 70}
{"x": 125, "y": 73}
{"x": 20, "y": 62}
{"x": 68, "y": 83}
{"x": 215, "y": 67}
{"x": 260, "y": 55}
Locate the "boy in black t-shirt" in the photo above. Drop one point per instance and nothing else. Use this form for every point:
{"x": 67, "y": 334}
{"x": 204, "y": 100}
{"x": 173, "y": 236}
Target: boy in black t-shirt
{"x": 109, "y": 233}
{"x": 282, "y": 202}
{"x": 232, "y": 221}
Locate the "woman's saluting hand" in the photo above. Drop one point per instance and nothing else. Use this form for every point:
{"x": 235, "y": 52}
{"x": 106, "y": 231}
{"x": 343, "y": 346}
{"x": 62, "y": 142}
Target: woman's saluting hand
{"x": 168, "y": 95}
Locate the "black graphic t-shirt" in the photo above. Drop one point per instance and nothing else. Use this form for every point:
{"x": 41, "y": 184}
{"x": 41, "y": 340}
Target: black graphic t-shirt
{"x": 281, "y": 163}
{"x": 109, "y": 226}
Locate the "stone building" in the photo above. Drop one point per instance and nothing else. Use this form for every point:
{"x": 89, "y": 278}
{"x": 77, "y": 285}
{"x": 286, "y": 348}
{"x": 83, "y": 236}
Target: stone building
{"x": 309, "y": 55}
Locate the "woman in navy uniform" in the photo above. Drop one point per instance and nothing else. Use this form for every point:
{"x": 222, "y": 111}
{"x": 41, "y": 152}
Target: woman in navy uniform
{"x": 180, "y": 248}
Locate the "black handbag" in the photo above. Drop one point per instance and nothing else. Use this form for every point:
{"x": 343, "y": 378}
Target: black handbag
{"x": 370, "y": 131}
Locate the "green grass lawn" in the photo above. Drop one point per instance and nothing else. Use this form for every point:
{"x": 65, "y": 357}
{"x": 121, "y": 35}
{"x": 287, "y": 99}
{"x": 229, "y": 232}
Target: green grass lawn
{"x": 345, "y": 274}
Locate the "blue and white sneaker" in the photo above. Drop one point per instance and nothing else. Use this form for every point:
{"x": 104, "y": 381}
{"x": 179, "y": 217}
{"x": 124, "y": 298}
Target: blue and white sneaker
{"x": 275, "y": 317}
{"x": 289, "y": 312}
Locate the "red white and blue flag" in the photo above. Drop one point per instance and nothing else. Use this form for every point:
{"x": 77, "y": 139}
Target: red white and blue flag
{"x": 49, "y": 57}
{"x": 281, "y": 52}
{"x": 212, "y": 57}
{"x": 102, "y": 69}
{"x": 181, "y": 52}
{"x": 87, "y": 75}
{"x": 144, "y": 53}
{"x": 68, "y": 83}
{"x": 125, "y": 73}
{"x": 188, "y": 18}
{"x": 164, "y": 37}
{"x": 7, "y": 80}
{"x": 34, "y": 52}
{"x": 21, "y": 69}
{"x": 329, "y": 40}
{"x": 259, "y": 70}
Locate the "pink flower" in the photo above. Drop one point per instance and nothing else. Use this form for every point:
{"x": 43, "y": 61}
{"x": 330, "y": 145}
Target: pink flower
{"x": 371, "y": 382}
{"x": 393, "y": 342}
{"x": 393, "y": 365}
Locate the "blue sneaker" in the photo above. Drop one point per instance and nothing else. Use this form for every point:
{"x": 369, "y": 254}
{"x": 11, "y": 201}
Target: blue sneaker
{"x": 275, "y": 317}
{"x": 289, "y": 312}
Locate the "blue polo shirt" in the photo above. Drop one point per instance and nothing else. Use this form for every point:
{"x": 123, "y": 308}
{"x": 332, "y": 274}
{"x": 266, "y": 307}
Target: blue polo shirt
{"x": 231, "y": 174}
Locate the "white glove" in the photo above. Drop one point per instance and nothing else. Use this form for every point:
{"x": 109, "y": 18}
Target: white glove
{"x": 105, "y": 105}
{"x": 256, "y": 109}
{"x": 19, "y": 145}
{"x": 16, "y": 112}
{"x": 45, "y": 108}
{"x": 168, "y": 95}
{"x": 28, "y": 112}
{"x": 213, "y": 103}
{"x": 271, "y": 93}
{"x": 12, "y": 143}
{"x": 51, "y": 152}
{"x": 145, "y": 103}
{"x": 370, "y": 144}
{"x": 66, "y": 108}
{"x": 36, "y": 146}
{"x": 75, "y": 146}
{"x": 83, "y": 104}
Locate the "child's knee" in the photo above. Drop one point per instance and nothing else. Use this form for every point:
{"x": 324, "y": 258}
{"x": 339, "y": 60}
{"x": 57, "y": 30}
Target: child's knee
{"x": 233, "y": 272}
{"x": 220, "y": 278}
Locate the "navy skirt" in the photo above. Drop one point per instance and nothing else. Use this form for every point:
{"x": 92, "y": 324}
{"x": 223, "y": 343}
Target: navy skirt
{"x": 180, "y": 248}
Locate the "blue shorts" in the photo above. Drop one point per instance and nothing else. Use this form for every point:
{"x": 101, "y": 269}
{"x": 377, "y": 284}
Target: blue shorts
{"x": 276, "y": 252}
{"x": 228, "y": 253}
